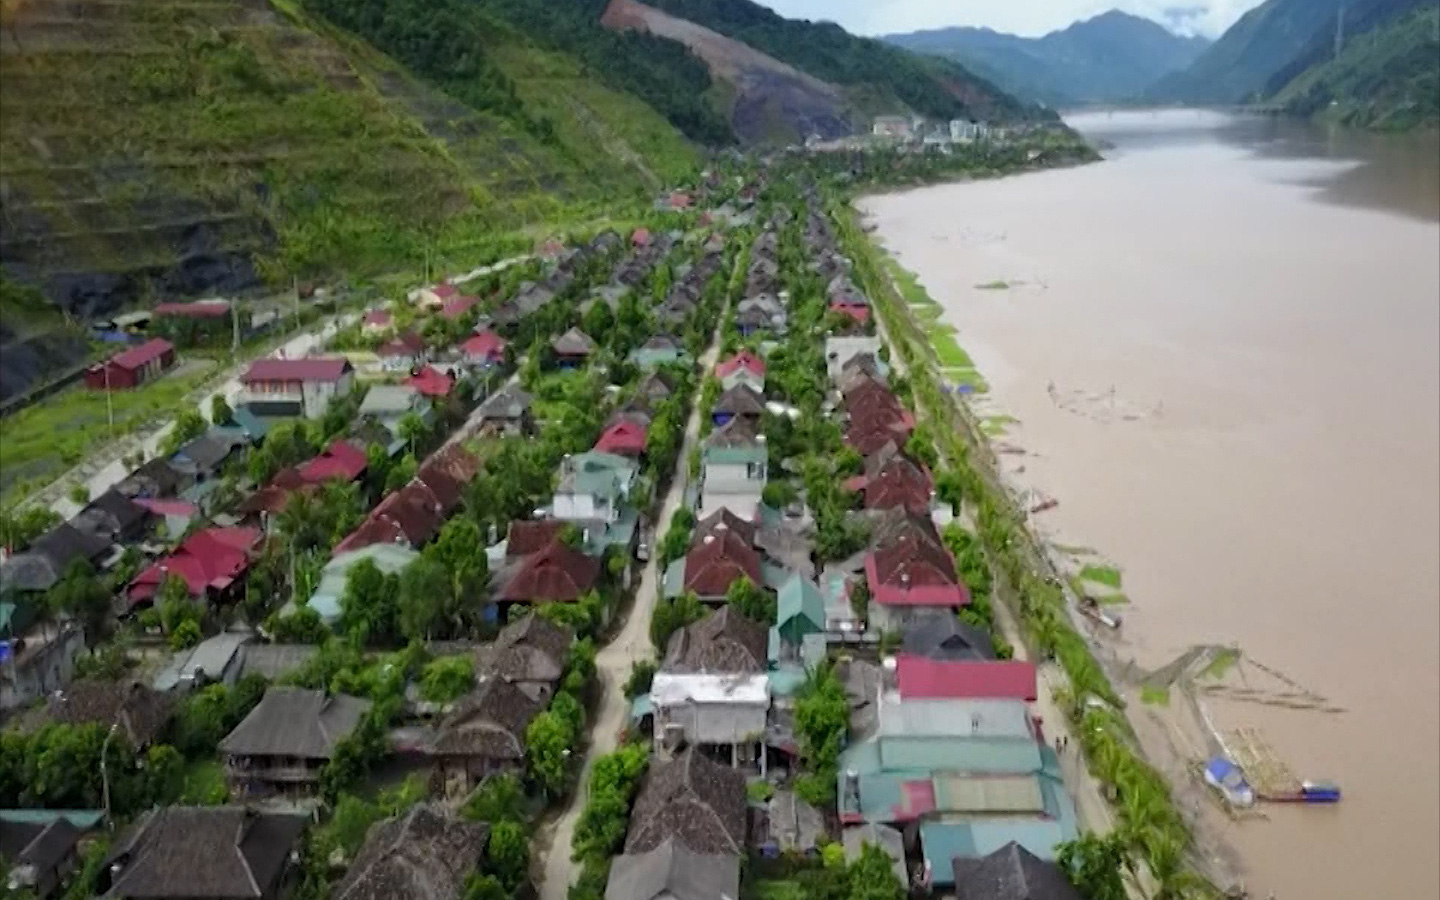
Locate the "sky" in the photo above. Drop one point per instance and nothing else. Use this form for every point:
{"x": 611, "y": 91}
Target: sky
{"x": 1024, "y": 17}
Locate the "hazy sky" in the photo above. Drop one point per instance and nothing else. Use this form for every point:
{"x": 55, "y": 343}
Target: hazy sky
{"x": 1027, "y": 17}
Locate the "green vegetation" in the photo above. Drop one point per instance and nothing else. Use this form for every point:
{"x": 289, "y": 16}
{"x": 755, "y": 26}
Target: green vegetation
{"x": 1222, "y": 663}
{"x": 43, "y": 440}
{"x": 994, "y": 286}
{"x": 930, "y": 86}
{"x": 600, "y": 832}
{"x": 1388, "y": 78}
{"x": 1101, "y": 574}
{"x": 1155, "y": 695}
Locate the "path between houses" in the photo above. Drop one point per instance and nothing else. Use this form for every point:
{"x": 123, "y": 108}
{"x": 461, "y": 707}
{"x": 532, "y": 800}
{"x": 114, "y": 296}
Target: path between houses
{"x": 612, "y": 665}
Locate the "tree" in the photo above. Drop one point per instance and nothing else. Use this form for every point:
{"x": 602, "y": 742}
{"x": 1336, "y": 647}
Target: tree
{"x": 424, "y": 598}
{"x": 547, "y": 751}
{"x": 401, "y": 473}
{"x": 822, "y": 720}
{"x": 1095, "y": 865}
{"x": 672, "y": 615}
{"x": 460, "y": 550}
{"x": 80, "y": 494}
{"x": 82, "y": 595}
{"x": 751, "y": 602}
{"x": 447, "y": 678}
{"x": 779, "y": 494}
{"x": 189, "y": 424}
{"x": 507, "y": 855}
{"x": 413, "y": 430}
{"x": 369, "y": 607}
{"x": 872, "y": 876}
{"x": 500, "y": 798}
{"x": 642, "y": 673}
{"x": 17, "y": 529}
{"x": 220, "y": 411}
{"x": 302, "y": 626}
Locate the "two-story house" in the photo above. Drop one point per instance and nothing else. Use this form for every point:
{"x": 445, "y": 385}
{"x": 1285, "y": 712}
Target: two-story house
{"x": 295, "y": 387}
{"x": 742, "y": 368}
{"x": 734, "y": 464}
{"x": 594, "y": 494}
{"x": 840, "y": 350}
{"x": 281, "y": 746}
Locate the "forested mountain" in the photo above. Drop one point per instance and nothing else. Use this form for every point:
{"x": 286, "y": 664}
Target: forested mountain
{"x": 878, "y": 77}
{"x": 1111, "y": 58}
{"x": 1239, "y": 67}
{"x": 1387, "y": 74}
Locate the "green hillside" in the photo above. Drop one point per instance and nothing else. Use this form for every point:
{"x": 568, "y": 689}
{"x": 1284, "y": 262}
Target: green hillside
{"x": 159, "y": 148}
{"x": 1387, "y": 78}
{"x": 1238, "y": 66}
{"x": 878, "y": 74}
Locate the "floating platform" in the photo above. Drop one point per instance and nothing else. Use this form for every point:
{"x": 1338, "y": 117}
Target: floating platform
{"x": 1271, "y": 778}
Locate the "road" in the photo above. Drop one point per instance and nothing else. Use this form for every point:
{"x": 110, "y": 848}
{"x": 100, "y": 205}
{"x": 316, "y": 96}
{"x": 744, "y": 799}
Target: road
{"x": 613, "y": 664}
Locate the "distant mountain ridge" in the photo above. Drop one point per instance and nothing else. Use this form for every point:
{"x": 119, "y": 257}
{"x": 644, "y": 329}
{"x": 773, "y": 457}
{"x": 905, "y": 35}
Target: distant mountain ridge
{"x": 1112, "y": 57}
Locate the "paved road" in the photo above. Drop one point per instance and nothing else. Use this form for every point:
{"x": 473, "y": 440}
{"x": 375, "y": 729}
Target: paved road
{"x": 613, "y": 664}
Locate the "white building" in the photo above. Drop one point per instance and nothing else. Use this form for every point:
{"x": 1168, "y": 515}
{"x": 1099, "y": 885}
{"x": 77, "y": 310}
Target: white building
{"x": 713, "y": 710}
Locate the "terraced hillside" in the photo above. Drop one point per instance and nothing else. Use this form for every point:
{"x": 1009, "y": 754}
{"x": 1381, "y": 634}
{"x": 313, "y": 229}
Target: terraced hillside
{"x": 152, "y": 148}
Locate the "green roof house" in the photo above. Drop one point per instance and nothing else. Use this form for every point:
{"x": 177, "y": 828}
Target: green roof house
{"x": 388, "y": 558}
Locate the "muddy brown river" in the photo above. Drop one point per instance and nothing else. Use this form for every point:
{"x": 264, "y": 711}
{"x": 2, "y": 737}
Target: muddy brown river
{"x": 1222, "y": 345}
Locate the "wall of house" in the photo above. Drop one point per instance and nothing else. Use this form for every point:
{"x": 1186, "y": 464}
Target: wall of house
{"x": 713, "y": 723}
{"x": 734, "y": 477}
{"x": 745, "y": 377}
{"x": 582, "y": 508}
{"x": 318, "y": 394}
{"x": 49, "y": 669}
{"x": 839, "y": 351}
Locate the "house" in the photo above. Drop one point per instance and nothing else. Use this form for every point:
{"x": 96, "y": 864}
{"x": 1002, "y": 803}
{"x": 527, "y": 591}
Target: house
{"x": 891, "y": 479}
{"x": 909, "y": 575}
{"x": 720, "y": 712}
{"x": 412, "y": 515}
{"x": 944, "y": 637}
{"x": 752, "y": 320}
{"x": 595, "y": 494}
{"x": 211, "y": 563}
{"x": 800, "y": 612}
{"x": 790, "y": 826}
{"x": 341, "y": 461}
{"x": 133, "y": 367}
{"x": 892, "y": 127}
{"x": 733, "y": 466}
{"x": 857, "y": 837}
{"x": 716, "y": 559}
{"x": 483, "y": 349}
{"x": 623, "y": 438}
{"x": 402, "y": 352}
{"x": 573, "y": 349}
{"x": 698, "y": 804}
{"x": 855, "y": 310}
{"x": 446, "y": 472}
{"x": 138, "y": 714}
{"x": 655, "y": 387}
{"x": 672, "y": 872}
{"x": 556, "y": 574}
{"x": 858, "y": 370}
{"x": 204, "y": 457}
{"x": 431, "y": 382}
{"x": 640, "y": 237}
{"x": 377, "y": 321}
{"x": 426, "y": 854}
{"x": 275, "y": 661}
{"x": 295, "y": 387}
{"x": 40, "y": 856}
{"x": 201, "y": 310}
{"x": 530, "y": 654}
{"x": 114, "y": 517}
{"x": 722, "y": 643}
{"x": 215, "y": 660}
{"x": 456, "y": 307}
{"x": 41, "y": 656}
{"x": 763, "y": 312}
{"x": 740, "y": 401}
{"x": 204, "y": 853}
{"x": 49, "y": 557}
{"x": 154, "y": 478}
{"x": 603, "y": 244}
{"x": 1010, "y": 873}
{"x": 388, "y": 404}
{"x": 742, "y": 368}
{"x": 283, "y": 743}
{"x": 1039, "y": 836}
{"x": 918, "y": 678}
{"x": 388, "y": 557}
{"x": 484, "y": 734}
{"x": 506, "y": 413}
{"x": 436, "y": 295}
{"x": 660, "y": 350}
{"x": 840, "y": 350}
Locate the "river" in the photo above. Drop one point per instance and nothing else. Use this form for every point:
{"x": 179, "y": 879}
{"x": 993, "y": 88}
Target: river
{"x": 1222, "y": 345}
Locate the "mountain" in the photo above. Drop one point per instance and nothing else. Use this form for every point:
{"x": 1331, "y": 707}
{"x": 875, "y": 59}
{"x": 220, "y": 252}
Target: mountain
{"x": 875, "y": 77}
{"x": 1110, "y": 58}
{"x": 1387, "y": 74}
{"x": 1240, "y": 66}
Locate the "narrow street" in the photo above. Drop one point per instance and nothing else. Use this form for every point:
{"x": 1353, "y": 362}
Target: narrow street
{"x": 612, "y": 665}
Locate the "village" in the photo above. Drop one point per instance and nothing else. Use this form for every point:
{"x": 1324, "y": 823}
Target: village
{"x": 360, "y": 633}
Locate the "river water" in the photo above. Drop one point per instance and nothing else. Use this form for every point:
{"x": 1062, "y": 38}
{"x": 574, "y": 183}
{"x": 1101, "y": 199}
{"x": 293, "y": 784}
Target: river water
{"x": 1223, "y": 347}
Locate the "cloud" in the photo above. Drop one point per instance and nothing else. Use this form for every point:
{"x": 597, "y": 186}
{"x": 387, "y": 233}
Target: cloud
{"x": 1027, "y": 17}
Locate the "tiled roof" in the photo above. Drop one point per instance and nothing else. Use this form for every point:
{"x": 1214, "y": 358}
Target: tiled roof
{"x": 942, "y": 636}
{"x": 556, "y": 573}
{"x": 717, "y": 560}
{"x": 723, "y": 520}
{"x": 722, "y": 643}
{"x": 674, "y": 873}
{"x": 919, "y": 678}
{"x": 140, "y": 712}
{"x": 739, "y": 432}
{"x": 407, "y": 344}
{"x": 532, "y": 649}
{"x": 296, "y": 722}
{"x": 446, "y": 472}
{"x": 509, "y": 403}
{"x": 1011, "y": 873}
{"x": 525, "y": 537}
{"x": 742, "y": 360}
{"x": 912, "y": 572}
{"x": 573, "y": 343}
{"x": 317, "y": 369}
{"x": 740, "y": 400}
{"x": 699, "y": 804}
{"x": 489, "y": 722}
{"x": 342, "y": 460}
{"x": 229, "y": 852}
{"x": 136, "y": 357}
{"x": 427, "y": 854}
{"x": 896, "y": 480}
{"x": 412, "y": 513}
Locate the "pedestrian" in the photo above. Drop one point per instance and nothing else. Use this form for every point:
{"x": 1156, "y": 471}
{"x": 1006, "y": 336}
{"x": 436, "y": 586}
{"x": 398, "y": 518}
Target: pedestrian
{"x": 1057, "y": 744}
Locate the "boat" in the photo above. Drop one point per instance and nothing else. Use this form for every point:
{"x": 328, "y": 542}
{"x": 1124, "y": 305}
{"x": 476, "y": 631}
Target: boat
{"x": 1091, "y": 609}
{"x": 1309, "y": 792}
{"x": 1227, "y": 779}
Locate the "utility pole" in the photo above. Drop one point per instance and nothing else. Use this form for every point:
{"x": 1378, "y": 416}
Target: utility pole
{"x": 109, "y": 404}
{"x": 104, "y": 775}
{"x": 1339, "y": 29}
{"x": 235, "y": 325}
{"x": 295, "y": 285}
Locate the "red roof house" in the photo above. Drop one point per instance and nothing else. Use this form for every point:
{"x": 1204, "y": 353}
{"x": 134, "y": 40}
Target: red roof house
{"x": 456, "y": 307}
{"x": 893, "y": 479}
{"x": 625, "y": 438}
{"x": 405, "y": 346}
{"x": 410, "y": 515}
{"x": 377, "y": 320}
{"x": 742, "y": 360}
{"x": 431, "y": 382}
{"x": 446, "y": 473}
{"x": 200, "y": 309}
{"x": 914, "y": 572}
{"x": 919, "y": 678}
{"x": 860, "y": 312}
{"x": 484, "y": 348}
{"x": 525, "y": 537}
{"x": 641, "y": 237}
{"x": 277, "y": 370}
{"x": 131, "y": 368}
{"x": 717, "y": 560}
{"x": 680, "y": 200}
{"x": 212, "y": 563}
{"x": 557, "y": 574}
{"x": 341, "y": 460}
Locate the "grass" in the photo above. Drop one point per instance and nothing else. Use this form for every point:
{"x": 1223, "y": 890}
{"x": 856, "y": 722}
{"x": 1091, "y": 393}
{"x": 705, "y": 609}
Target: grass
{"x": 44, "y": 440}
{"x": 777, "y": 889}
{"x": 993, "y": 286}
{"x": 1155, "y": 695}
{"x": 994, "y": 426}
{"x": 1105, "y": 597}
{"x": 204, "y": 783}
{"x": 759, "y": 791}
{"x": 1223, "y": 662}
{"x": 1075, "y": 549}
{"x": 1102, "y": 574}
{"x": 966, "y": 375}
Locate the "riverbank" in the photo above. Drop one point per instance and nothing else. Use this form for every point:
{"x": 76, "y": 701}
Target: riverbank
{"x": 1216, "y": 352}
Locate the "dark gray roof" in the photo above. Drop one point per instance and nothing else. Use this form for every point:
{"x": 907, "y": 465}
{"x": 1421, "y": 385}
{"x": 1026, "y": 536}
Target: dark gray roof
{"x": 275, "y": 661}
{"x": 204, "y": 853}
{"x": 792, "y": 824}
{"x": 722, "y": 643}
{"x": 696, "y": 802}
{"x": 207, "y": 452}
{"x": 425, "y": 855}
{"x": 1011, "y": 873}
{"x": 49, "y": 555}
{"x": 942, "y": 636}
{"x": 672, "y": 871}
{"x": 573, "y": 343}
{"x": 740, "y": 400}
{"x": 509, "y": 403}
{"x": 489, "y": 722}
{"x": 141, "y": 713}
{"x": 36, "y": 844}
{"x": 296, "y": 722}
{"x": 156, "y": 478}
{"x": 532, "y": 649}
{"x": 109, "y": 515}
